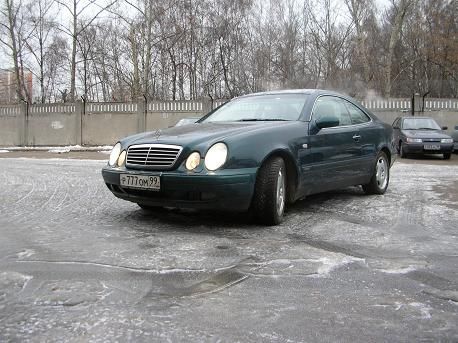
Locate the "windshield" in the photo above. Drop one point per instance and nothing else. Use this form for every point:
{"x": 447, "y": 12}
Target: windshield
{"x": 420, "y": 124}
{"x": 277, "y": 107}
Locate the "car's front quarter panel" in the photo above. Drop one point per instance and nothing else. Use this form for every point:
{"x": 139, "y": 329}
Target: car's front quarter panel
{"x": 251, "y": 150}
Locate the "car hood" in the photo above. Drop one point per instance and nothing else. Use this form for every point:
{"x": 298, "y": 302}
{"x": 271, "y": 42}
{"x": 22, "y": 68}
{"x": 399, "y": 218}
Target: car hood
{"x": 425, "y": 134}
{"x": 194, "y": 134}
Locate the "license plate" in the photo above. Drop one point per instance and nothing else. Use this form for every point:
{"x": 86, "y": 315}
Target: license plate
{"x": 152, "y": 182}
{"x": 432, "y": 147}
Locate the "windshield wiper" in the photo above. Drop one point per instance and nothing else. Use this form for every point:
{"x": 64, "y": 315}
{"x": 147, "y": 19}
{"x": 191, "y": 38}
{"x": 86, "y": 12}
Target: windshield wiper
{"x": 255, "y": 119}
{"x": 426, "y": 128}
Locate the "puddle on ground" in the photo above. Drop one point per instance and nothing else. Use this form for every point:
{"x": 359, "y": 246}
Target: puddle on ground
{"x": 448, "y": 193}
{"x": 75, "y": 283}
{"x": 210, "y": 284}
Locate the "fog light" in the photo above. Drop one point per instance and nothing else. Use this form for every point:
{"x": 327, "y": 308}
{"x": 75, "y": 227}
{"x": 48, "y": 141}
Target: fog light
{"x": 193, "y": 161}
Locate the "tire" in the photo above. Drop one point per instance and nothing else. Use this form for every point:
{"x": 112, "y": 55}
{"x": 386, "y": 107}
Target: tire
{"x": 381, "y": 177}
{"x": 447, "y": 156}
{"x": 269, "y": 199}
{"x": 402, "y": 152}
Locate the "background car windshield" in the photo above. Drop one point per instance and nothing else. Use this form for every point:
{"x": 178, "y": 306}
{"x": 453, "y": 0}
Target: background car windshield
{"x": 260, "y": 108}
{"x": 419, "y": 124}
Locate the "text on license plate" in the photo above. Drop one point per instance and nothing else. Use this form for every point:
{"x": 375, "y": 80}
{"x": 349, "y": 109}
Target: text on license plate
{"x": 432, "y": 147}
{"x": 140, "y": 181}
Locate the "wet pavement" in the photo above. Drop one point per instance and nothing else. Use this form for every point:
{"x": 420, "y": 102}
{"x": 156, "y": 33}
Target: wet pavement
{"x": 77, "y": 264}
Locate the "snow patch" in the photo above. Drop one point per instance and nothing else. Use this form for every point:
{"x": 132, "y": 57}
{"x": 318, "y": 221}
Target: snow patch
{"x": 59, "y": 150}
{"x": 424, "y": 310}
{"x": 25, "y": 253}
{"x": 69, "y": 147}
{"x": 329, "y": 264}
{"x": 402, "y": 270}
{"x": 13, "y": 280}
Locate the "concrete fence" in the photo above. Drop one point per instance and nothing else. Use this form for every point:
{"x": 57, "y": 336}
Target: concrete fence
{"x": 104, "y": 123}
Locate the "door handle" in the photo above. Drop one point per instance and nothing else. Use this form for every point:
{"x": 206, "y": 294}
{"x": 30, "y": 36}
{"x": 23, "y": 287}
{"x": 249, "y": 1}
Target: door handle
{"x": 357, "y": 137}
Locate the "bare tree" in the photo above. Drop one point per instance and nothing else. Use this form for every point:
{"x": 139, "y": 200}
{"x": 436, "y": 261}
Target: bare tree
{"x": 40, "y": 38}
{"x": 76, "y": 9}
{"x": 9, "y": 14}
{"x": 400, "y": 10}
{"x": 360, "y": 11}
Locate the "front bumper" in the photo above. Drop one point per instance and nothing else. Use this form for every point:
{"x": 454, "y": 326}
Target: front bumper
{"x": 221, "y": 190}
{"x": 419, "y": 148}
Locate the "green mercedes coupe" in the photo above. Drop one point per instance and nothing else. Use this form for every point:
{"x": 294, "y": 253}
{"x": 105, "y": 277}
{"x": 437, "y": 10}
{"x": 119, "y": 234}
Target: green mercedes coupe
{"x": 258, "y": 153}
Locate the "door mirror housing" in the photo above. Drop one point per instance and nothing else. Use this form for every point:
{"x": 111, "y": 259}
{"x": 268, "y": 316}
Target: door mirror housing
{"x": 327, "y": 121}
{"x": 444, "y": 128}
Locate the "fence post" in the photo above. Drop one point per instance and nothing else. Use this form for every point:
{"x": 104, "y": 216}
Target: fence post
{"x": 24, "y": 115}
{"x": 79, "y": 111}
{"x": 207, "y": 105}
{"x": 141, "y": 114}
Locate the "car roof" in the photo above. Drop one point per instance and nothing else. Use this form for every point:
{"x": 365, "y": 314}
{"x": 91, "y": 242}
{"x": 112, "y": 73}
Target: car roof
{"x": 416, "y": 117}
{"x": 294, "y": 91}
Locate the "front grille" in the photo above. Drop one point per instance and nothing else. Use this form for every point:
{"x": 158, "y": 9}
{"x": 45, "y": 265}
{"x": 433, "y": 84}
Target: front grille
{"x": 159, "y": 156}
{"x": 431, "y": 140}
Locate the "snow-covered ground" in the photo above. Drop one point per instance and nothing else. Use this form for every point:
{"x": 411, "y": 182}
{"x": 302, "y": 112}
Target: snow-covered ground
{"x": 78, "y": 264}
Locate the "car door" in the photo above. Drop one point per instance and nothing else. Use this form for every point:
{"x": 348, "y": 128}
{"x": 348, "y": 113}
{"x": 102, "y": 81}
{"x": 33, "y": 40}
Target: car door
{"x": 333, "y": 149}
{"x": 369, "y": 138}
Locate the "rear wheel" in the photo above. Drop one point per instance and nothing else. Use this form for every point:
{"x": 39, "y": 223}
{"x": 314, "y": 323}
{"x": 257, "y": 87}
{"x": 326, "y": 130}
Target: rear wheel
{"x": 447, "y": 156}
{"x": 381, "y": 177}
{"x": 269, "y": 198}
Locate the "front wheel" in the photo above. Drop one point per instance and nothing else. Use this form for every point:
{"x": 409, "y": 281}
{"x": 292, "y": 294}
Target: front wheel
{"x": 269, "y": 197}
{"x": 447, "y": 156}
{"x": 381, "y": 177}
{"x": 402, "y": 151}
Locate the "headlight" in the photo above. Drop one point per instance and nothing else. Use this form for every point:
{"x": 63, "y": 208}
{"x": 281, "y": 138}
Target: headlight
{"x": 122, "y": 158}
{"x": 193, "y": 161}
{"x": 447, "y": 140}
{"x": 114, "y": 154}
{"x": 413, "y": 140}
{"x": 216, "y": 156}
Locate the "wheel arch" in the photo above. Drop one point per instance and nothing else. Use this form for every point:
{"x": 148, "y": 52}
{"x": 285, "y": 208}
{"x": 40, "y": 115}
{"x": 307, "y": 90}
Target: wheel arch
{"x": 292, "y": 172}
{"x": 387, "y": 152}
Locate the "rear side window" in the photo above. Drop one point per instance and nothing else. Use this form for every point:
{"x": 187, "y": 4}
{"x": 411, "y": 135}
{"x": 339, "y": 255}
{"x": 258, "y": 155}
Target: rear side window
{"x": 357, "y": 116}
{"x": 329, "y": 106}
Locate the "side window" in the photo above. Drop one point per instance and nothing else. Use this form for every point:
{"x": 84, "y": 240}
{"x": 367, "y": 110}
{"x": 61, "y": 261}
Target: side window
{"x": 329, "y": 106}
{"x": 357, "y": 116}
{"x": 396, "y": 123}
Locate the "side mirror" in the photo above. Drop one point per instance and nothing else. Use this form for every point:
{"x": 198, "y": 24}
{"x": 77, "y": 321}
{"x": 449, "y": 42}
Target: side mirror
{"x": 456, "y": 127}
{"x": 327, "y": 121}
{"x": 444, "y": 128}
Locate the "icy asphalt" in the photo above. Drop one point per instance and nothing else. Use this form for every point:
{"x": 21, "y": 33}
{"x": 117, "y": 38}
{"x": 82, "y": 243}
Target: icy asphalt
{"x": 77, "y": 264}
